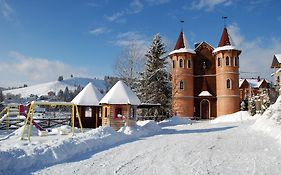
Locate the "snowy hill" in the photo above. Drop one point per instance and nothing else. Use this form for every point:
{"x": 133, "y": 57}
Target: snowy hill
{"x": 56, "y": 86}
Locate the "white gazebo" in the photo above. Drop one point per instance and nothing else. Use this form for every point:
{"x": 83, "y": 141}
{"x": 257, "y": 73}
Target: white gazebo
{"x": 119, "y": 106}
{"x": 89, "y": 109}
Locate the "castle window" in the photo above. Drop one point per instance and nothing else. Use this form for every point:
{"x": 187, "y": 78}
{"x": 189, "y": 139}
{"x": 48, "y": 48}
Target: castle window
{"x": 228, "y": 84}
{"x": 236, "y": 61}
{"x": 189, "y": 63}
{"x": 219, "y": 62}
{"x": 181, "y": 85}
{"x": 181, "y": 63}
{"x": 173, "y": 63}
{"x": 227, "y": 63}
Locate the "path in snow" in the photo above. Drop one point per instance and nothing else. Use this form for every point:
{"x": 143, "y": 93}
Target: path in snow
{"x": 201, "y": 148}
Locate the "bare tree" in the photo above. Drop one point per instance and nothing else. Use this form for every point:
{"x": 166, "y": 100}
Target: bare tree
{"x": 130, "y": 63}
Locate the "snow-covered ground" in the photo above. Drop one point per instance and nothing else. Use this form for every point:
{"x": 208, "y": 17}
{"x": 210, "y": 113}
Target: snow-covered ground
{"x": 173, "y": 146}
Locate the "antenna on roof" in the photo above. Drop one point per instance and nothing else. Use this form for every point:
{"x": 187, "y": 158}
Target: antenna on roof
{"x": 224, "y": 20}
{"x": 182, "y": 21}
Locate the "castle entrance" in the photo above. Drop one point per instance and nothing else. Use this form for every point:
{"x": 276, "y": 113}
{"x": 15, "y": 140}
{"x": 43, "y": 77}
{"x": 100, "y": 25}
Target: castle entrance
{"x": 205, "y": 109}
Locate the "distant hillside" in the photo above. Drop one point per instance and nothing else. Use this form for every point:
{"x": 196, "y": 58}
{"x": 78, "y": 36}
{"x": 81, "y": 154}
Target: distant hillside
{"x": 56, "y": 86}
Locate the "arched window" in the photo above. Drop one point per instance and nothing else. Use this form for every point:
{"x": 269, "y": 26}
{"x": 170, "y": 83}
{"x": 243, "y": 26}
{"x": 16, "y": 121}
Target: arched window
{"x": 228, "y": 84}
{"x": 173, "y": 63}
{"x": 181, "y": 63}
{"x": 189, "y": 62}
{"x": 236, "y": 61}
{"x": 227, "y": 61}
{"x": 181, "y": 84}
{"x": 219, "y": 62}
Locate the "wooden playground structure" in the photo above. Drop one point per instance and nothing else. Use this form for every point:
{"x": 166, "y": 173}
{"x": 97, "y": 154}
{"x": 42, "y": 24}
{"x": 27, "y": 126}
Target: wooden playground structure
{"x": 15, "y": 116}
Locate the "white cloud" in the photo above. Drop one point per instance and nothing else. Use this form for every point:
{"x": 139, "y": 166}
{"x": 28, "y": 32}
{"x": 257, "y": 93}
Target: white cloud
{"x": 135, "y": 6}
{"x": 256, "y": 56}
{"x": 125, "y": 39}
{"x": 7, "y": 11}
{"x": 19, "y": 69}
{"x": 99, "y": 30}
{"x": 209, "y": 5}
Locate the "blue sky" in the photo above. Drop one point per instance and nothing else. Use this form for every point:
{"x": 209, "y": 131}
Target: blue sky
{"x": 40, "y": 40}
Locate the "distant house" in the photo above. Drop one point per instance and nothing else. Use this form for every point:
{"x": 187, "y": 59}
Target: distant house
{"x": 251, "y": 87}
{"x": 89, "y": 109}
{"x": 276, "y": 65}
{"x": 119, "y": 106}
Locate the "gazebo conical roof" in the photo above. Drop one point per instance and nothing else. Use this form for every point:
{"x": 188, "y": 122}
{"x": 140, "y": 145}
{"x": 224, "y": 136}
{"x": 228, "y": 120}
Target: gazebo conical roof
{"x": 120, "y": 93}
{"x": 89, "y": 96}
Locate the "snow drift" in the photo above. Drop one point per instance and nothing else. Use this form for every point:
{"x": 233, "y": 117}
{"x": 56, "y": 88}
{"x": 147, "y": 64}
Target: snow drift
{"x": 235, "y": 117}
{"x": 270, "y": 121}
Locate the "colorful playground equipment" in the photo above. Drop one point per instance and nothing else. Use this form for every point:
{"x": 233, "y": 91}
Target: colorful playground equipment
{"x": 12, "y": 116}
{"x": 31, "y": 111}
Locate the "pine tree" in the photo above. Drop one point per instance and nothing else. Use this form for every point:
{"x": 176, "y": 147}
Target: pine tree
{"x": 66, "y": 94}
{"x": 1, "y": 96}
{"x": 154, "y": 84}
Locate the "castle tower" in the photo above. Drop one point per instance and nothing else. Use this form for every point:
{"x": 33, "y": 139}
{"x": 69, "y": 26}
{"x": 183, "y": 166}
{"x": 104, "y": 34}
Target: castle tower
{"x": 227, "y": 79}
{"x": 182, "y": 78}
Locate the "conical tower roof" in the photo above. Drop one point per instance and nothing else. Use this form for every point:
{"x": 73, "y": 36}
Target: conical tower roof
{"x": 182, "y": 45}
{"x": 89, "y": 96}
{"x": 226, "y": 42}
{"x": 120, "y": 93}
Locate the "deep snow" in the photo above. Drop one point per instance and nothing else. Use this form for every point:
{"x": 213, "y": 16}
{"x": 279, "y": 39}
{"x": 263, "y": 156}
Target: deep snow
{"x": 169, "y": 147}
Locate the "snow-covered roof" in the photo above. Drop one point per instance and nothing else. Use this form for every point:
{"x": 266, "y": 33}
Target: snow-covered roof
{"x": 182, "y": 46}
{"x": 197, "y": 45}
{"x": 229, "y": 47}
{"x": 182, "y": 50}
{"x": 241, "y": 82}
{"x": 253, "y": 82}
{"x": 89, "y": 96}
{"x": 278, "y": 57}
{"x": 225, "y": 43}
{"x": 120, "y": 93}
{"x": 205, "y": 94}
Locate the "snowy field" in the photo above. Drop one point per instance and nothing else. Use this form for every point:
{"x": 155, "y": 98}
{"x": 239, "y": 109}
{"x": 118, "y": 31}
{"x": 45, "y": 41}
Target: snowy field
{"x": 227, "y": 145}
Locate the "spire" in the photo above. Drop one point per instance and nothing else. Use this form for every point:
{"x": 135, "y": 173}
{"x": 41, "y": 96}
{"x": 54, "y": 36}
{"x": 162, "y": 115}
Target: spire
{"x": 225, "y": 39}
{"x": 180, "y": 42}
{"x": 182, "y": 45}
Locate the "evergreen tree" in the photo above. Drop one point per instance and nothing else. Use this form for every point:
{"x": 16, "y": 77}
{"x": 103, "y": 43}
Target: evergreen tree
{"x": 60, "y": 95}
{"x": 66, "y": 94}
{"x": 154, "y": 84}
{"x": 1, "y": 96}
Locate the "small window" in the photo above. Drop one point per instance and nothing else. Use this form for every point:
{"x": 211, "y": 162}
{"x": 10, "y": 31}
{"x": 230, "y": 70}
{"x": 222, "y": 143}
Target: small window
{"x": 236, "y": 61}
{"x": 88, "y": 112}
{"x": 119, "y": 112}
{"x": 181, "y": 63}
{"x": 189, "y": 63}
{"x": 181, "y": 85}
{"x": 228, "y": 84}
{"x": 219, "y": 62}
{"x": 173, "y": 63}
{"x": 227, "y": 61}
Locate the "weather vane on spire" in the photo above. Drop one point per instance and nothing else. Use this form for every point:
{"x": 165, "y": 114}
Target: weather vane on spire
{"x": 182, "y": 21}
{"x": 224, "y": 20}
